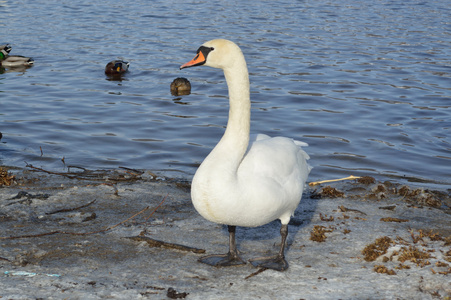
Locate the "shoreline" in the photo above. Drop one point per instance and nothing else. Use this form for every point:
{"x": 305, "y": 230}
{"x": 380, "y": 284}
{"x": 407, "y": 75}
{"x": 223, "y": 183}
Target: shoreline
{"x": 88, "y": 238}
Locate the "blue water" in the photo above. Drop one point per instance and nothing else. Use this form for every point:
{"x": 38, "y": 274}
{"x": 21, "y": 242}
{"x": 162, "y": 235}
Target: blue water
{"x": 366, "y": 84}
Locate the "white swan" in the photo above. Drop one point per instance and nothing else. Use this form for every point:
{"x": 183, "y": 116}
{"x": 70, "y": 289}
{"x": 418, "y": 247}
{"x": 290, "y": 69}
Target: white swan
{"x": 245, "y": 182}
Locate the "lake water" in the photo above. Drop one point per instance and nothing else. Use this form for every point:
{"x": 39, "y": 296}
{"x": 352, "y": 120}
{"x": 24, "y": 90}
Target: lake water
{"x": 366, "y": 84}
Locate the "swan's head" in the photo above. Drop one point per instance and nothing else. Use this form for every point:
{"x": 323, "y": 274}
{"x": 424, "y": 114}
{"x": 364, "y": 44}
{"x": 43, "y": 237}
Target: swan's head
{"x": 217, "y": 53}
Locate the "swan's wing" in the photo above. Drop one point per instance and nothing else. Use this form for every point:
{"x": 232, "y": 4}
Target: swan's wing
{"x": 258, "y": 137}
{"x": 278, "y": 158}
{"x": 261, "y": 136}
{"x": 272, "y": 175}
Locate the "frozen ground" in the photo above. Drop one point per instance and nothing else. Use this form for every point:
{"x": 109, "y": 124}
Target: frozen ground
{"x": 74, "y": 250}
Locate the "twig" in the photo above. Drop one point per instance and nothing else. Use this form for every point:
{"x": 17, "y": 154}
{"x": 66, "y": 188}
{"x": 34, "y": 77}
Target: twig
{"x": 28, "y": 235}
{"x": 134, "y": 171}
{"x": 397, "y": 220}
{"x": 77, "y": 167}
{"x": 70, "y": 209}
{"x": 345, "y": 209}
{"x": 333, "y": 180}
{"x": 2, "y": 258}
{"x": 138, "y": 213}
{"x": 156, "y": 207}
{"x": 157, "y": 243}
{"x": 256, "y": 273}
{"x": 49, "y": 172}
{"x": 85, "y": 175}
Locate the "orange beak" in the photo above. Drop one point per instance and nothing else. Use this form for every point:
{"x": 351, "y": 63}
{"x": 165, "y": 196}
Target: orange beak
{"x": 196, "y": 61}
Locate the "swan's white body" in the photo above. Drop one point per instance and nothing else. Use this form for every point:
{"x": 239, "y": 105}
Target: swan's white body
{"x": 243, "y": 181}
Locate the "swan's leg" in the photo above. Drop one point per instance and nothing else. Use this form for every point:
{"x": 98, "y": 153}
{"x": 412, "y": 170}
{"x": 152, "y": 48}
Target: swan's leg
{"x": 225, "y": 260}
{"x": 277, "y": 262}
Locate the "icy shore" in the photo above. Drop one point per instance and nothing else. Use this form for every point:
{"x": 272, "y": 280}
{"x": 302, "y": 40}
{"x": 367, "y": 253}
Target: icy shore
{"x": 85, "y": 238}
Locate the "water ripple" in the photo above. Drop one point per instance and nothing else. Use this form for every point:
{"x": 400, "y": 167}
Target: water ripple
{"x": 366, "y": 84}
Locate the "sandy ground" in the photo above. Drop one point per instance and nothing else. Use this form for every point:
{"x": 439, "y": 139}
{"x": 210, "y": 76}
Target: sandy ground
{"x": 88, "y": 237}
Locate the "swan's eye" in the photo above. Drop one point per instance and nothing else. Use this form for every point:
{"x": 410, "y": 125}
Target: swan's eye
{"x": 204, "y": 51}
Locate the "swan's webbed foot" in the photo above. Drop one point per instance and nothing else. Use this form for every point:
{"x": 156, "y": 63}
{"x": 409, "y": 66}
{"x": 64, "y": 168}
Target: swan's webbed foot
{"x": 225, "y": 260}
{"x": 222, "y": 260}
{"x": 277, "y": 262}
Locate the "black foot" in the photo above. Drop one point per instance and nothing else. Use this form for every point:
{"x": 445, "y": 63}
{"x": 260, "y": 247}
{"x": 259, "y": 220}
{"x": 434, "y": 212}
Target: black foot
{"x": 277, "y": 263}
{"x": 222, "y": 260}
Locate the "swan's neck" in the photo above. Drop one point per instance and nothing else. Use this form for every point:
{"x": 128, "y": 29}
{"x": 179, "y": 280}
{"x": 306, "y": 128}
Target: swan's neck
{"x": 233, "y": 145}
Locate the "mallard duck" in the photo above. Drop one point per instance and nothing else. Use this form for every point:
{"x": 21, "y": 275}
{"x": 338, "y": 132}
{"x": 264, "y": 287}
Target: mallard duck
{"x": 16, "y": 61}
{"x": 12, "y": 61}
{"x": 116, "y": 67}
{"x": 180, "y": 86}
{"x": 246, "y": 181}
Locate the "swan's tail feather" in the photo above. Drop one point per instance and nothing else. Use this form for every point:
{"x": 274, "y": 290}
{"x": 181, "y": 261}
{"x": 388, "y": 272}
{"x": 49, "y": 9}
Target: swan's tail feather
{"x": 301, "y": 144}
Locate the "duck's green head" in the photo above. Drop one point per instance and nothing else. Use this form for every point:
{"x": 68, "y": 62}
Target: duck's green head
{"x": 4, "y": 51}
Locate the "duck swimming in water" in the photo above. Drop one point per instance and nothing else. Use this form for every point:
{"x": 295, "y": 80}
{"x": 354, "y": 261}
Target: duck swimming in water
{"x": 12, "y": 61}
{"x": 17, "y": 61}
{"x": 180, "y": 86}
{"x": 246, "y": 181}
{"x": 116, "y": 67}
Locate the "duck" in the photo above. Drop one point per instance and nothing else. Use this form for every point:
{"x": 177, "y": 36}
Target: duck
{"x": 180, "y": 86}
{"x": 16, "y": 61}
{"x": 246, "y": 181}
{"x": 13, "y": 61}
{"x": 116, "y": 67}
